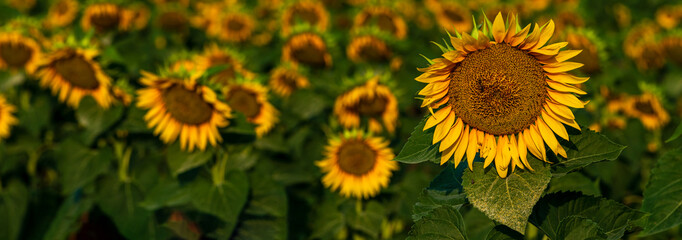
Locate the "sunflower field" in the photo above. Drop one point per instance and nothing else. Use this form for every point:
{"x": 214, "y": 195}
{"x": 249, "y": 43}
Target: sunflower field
{"x": 340, "y": 119}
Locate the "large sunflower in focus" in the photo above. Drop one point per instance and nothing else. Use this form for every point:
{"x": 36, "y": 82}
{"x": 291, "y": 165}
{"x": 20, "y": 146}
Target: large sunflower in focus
{"x": 251, "y": 99}
{"x": 7, "y": 120}
{"x": 18, "y": 52}
{"x": 371, "y": 100}
{"x": 501, "y": 92}
{"x": 182, "y": 107}
{"x": 357, "y": 164}
{"x": 72, "y": 73}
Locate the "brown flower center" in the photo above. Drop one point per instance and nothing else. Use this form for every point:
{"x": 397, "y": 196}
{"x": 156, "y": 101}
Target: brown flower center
{"x": 304, "y": 14}
{"x": 244, "y": 101}
{"x": 372, "y": 107}
{"x": 290, "y": 80}
{"x": 235, "y": 24}
{"x": 452, "y": 15}
{"x": 186, "y": 106}
{"x": 499, "y": 90}
{"x": 310, "y": 54}
{"x": 374, "y": 50}
{"x": 385, "y": 22}
{"x": 173, "y": 21}
{"x": 356, "y": 157}
{"x": 61, "y": 7}
{"x": 105, "y": 21}
{"x": 77, "y": 71}
{"x": 15, "y": 55}
{"x": 645, "y": 107}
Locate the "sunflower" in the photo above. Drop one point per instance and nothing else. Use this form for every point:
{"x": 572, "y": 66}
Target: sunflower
{"x": 251, "y": 99}
{"x": 18, "y": 52}
{"x": 452, "y": 14}
{"x": 669, "y": 16}
{"x": 61, "y": 13}
{"x": 641, "y": 45}
{"x": 71, "y": 74}
{"x": 181, "y": 107}
{"x": 217, "y": 56}
{"x": 307, "y": 48}
{"x": 284, "y": 81}
{"x": 591, "y": 49}
{"x": 356, "y": 164}
{"x": 385, "y": 18}
{"x": 234, "y": 27}
{"x": 173, "y": 20}
{"x": 312, "y": 13}
{"x": 7, "y": 120}
{"x": 140, "y": 15}
{"x": 368, "y": 48}
{"x": 672, "y": 46}
{"x": 501, "y": 98}
{"x": 21, "y": 5}
{"x": 648, "y": 109}
{"x": 371, "y": 100}
{"x": 104, "y": 17}
{"x": 622, "y": 15}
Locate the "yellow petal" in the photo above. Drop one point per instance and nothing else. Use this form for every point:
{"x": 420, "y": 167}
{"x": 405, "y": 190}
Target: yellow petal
{"x": 519, "y": 37}
{"x": 547, "y": 135}
{"x": 546, "y": 34}
{"x": 561, "y": 151}
{"x": 565, "y": 88}
{"x": 472, "y": 148}
{"x": 443, "y": 128}
{"x": 438, "y": 117}
{"x": 503, "y": 156}
{"x": 434, "y": 88}
{"x": 462, "y": 146}
{"x": 554, "y": 124}
{"x": 509, "y": 34}
{"x": 491, "y": 145}
{"x": 538, "y": 142}
{"x": 523, "y": 153}
{"x": 445, "y": 156}
{"x": 498, "y": 28}
{"x": 561, "y": 67}
{"x": 567, "y": 54}
{"x": 559, "y": 109}
{"x": 532, "y": 39}
{"x": 568, "y": 121}
{"x": 567, "y": 78}
{"x": 452, "y": 136}
{"x": 514, "y": 151}
{"x": 567, "y": 99}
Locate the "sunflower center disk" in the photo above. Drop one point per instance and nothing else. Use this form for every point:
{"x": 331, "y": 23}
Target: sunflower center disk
{"x": 235, "y": 25}
{"x": 385, "y": 23}
{"x": 644, "y": 107}
{"x": 372, "y": 52}
{"x": 244, "y": 102}
{"x": 15, "y": 56}
{"x": 106, "y": 21}
{"x": 78, "y": 72}
{"x": 356, "y": 158}
{"x": 309, "y": 54}
{"x": 62, "y": 7}
{"x": 172, "y": 21}
{"x": 305, "y": 15}
{"x": 289, "y": 80}
{"x": 499, "y": 90}
{"x": 186, "y": 106}
{"x": 372, "y": 107}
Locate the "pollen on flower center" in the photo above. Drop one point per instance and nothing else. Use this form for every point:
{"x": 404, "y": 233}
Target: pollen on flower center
{"x": 499, "y": 90}
{"x": 372, "y": 106}
{"x": 244, "y": 102}
{"x": 356, "y": 158}
{"x": 186, "y": 106}
{"x": 15, "y": 55}
{"x": 78, "y": 72}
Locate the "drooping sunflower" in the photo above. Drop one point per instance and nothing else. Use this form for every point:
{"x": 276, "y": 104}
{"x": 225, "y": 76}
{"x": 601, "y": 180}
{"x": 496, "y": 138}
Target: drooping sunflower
{"x": 383, "y": 17}
{"x": 501, "y": 92}
{"x": 373, "y": 101}
{"x": 71, "y": 74}
{"x": 450, "y": 14}
{"x": 307, "y": 48}
{"x": 61, "y": 13}
{"x": 285, "y": 80}
{"x": 251, "y": 99}
{"x": 368, "y": 48}
{"x": 641, "y": 45}
{"x": 180, "y": 107}
{"x": 309, "y": 12}
{"x": 19, "y": 52}
{"x": 216, "y": 56}
{"x": 7, "y": 119}
{"x": 104, "y": 17}
{"x": 357, "y": 164}
{"x": 648, "y": 109}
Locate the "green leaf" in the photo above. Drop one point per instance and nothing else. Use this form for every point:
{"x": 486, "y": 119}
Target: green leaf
{"x": 676, "y": 134}
{"x": 180, "y": 161}
{"x": 13, "y": 204}
{"x": 507, "y": 200}
{"x": 240, "y": 130}
{"x": 120, "y": 201}
{"x": 478, "y": 225}
{"x": 574, "y": 182}
{"x": 265, "y": 215}
{"x": 65, "y": 222}
{"x": 418, "y": 147}
{"x": 95, "y": 119}
{"x": 79, "y": 165}
{"x": 577, "y": 227}
{"x": 444, "y": 190}
{"x": 442, "y": 223}
{"x": 167, "y": 193}
{"x": 584, "y": 149}
{"x": 34, "y": 115}
{"x": 663, "y": 194}
{"x": 611, "y": 217}
{"x": 368, "y": 220}
{"x": 224, "y": 201}
{"x": 306, "y": 104}
{"x": 501, "y": 232}
{"x": 329, "y": 221}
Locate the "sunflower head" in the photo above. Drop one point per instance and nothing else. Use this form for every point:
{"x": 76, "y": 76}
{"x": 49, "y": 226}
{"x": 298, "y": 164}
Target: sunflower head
{"x": 500, "y": 92}
{"x": 139, "y": 15}
{"x": 385, "y": 18}
{"x": 369, "y": 46}
{"x": 308, "y": 48}
{"x": 672, "y": 46}
{"x": 231, "y": 60}
{"x": 251, "y": 99}
{"x": 643, "y": 46}
{"x": 18, "y": 52}
{"x": 669, "y": 16}
{"x": 233, "y": 26}
{"x": 452, "y": 16}
{"x": 311, "y": 13}
{"x": 286, "y": 79}
{"x": 173, "y": 19}
{"x": 105, "y": 17}
{"x": 21, "y": 5}
{"x": 372, "y": 103}
{"x": 357, "y": 164}
{"x": 61, "y": 13}
{"x": 7, "y": 119}
{"x": 648, "y": 109}
{"x": 622, "y": 14}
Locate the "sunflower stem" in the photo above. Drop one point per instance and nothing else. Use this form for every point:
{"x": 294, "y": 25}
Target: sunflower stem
{"x": 125, "y": 163}
{"x": 218, "y": 170}
{"x": 358, "y": 206}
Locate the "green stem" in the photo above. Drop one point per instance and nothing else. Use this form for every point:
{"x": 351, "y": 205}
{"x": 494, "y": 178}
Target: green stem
{"x": 124, "y": 165}
{"x": 218, "y": 170}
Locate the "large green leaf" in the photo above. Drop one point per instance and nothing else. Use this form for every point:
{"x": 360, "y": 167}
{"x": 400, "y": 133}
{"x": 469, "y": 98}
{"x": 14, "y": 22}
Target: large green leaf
{"x": 13, "y": 203}
{"x": 574, "y": 182}
{"x": 66, "y": 220}
{"x": 78, "y": 165}
{"x": 478, "y": 225}
{"x": 584, "y": 149}
{"x": 418, "y": 147}
{"x": 577, "y": 227}
{"x": 611, "y": 217}
{"x": 95, "y": 119}
{"x": 120, "y": 201}
{"x": 166, "y": 193}
{"x": 265, "y": 215}
{"x": 180, "y": 161}
{"x": 444, "y": 190}
{"x": 501, "y": 232}
{"x": 507, "y": 200}
{"x": 444, "y": 222}
{"x": 224, "y": 201}
{"x": 663, "y": 194}
{"x": 34, "y": 115}
{"x": 676, "y": 134}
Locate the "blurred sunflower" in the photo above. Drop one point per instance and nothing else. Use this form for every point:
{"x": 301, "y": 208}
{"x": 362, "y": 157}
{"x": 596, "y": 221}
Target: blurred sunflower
{"x": 307, "y": 48}
{"x": 641, "y": 45}
{"x": 7, "y": 120}
{"x": 61, "y": 13}
{"x": 622, "y": 14}
{"x": 233, "y": 27}
{"x": 216, "y": 56}
{"x": 368, "y": 48}
{"x": 140, "y": 15}
{"x": 182, "y": 107}
{"x": 309, "y": 12}
{"x": 566, "y": 19}
{"x": 383, "y": 17}
{"x": 357, "y": 164}
{"x": 371, "y": 100}
{"x": 104, "y": 17}
{"x": 173, "y": 20}
{"x": 669, "y": 16}
{"x": 672, "y": 46}
{"x": 592, "y": 49}
{"x": 21, "y": 5}
{"x": 18, "y": 52}
{"x": 184, "y": 3}
{"x": 251, "y": 99}
{"x": 71, "y": 74}
{"x": 648, "y": 109}
{"x": 501, "y": 98}
{"x": 285, "y": 80}
{"x": 449, "y": 14}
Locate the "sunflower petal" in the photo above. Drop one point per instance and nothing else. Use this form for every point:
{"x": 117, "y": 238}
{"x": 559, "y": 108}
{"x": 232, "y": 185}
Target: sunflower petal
{"x": 498, "y": 28}
{"x": 443, "y": 128}
{"x": 567, "y": 54}
{"x": 547, "y": 135}
{"x": 554, "y": 124}
{"x": 561, "y": 67}
{"x": 438, "y": 117}
{"x": 565, "y": 88}
{"x": 491, "y": 145}
{"x": 462, "y": 146}
{"x": 537, "y": 140}
{"x": 452, "y": 136}
{"x": 523, "y": 151}
{"x": 546, "y": 34}
{"x": 567, "y": 99}
{"x": 472, "y": 148}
